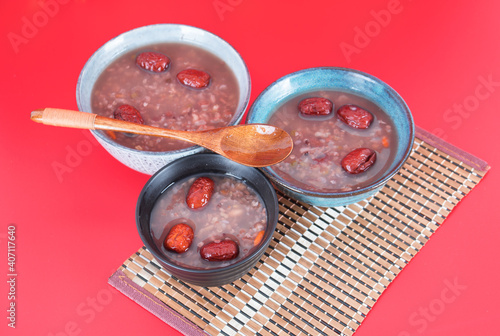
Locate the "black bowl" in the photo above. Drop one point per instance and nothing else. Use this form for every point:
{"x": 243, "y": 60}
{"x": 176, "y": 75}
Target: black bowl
{"x": 196, "y": 165}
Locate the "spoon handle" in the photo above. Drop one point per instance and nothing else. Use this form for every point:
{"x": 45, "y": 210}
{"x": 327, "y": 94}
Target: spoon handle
{"x": 255, "y": 145}
{"x": 84, "y": 120}
{"x": 64, "y": 118}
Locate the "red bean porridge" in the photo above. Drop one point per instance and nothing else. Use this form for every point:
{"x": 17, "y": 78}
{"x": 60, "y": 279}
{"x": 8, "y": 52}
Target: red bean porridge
{"x": 162, "y": 100}
{"x": 234, "y": 212}
{"x": 322, "y": 141}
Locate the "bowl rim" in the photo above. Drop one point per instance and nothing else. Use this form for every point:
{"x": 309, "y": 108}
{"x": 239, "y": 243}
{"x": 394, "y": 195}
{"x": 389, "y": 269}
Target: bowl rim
{"x": 99, "y": 135}
{"x": 278, "y": 180}
{"x": 264, "y": 244}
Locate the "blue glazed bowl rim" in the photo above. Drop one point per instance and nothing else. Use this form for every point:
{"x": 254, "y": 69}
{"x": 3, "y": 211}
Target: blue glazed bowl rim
{"x": 373, "y": 186}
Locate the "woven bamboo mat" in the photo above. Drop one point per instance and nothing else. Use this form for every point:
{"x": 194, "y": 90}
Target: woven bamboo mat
{"x": 325, "y": 267}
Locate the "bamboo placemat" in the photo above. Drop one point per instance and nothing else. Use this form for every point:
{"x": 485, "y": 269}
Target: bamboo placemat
{"x": 325, "y": 267}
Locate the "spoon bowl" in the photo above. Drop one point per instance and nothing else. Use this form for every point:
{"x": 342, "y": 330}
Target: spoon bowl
{"x": 254, "y": 145}
{"x": 263, "y": 144}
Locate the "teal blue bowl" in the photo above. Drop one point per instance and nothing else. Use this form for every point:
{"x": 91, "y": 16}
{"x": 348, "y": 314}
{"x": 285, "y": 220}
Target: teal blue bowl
{"x": 349, "y": 81}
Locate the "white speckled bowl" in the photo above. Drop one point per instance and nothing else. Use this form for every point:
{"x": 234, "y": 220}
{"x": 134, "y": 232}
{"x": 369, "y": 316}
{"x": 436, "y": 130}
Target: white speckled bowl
{"x": 144, "y": 161}
{"x": 339, "y": 79}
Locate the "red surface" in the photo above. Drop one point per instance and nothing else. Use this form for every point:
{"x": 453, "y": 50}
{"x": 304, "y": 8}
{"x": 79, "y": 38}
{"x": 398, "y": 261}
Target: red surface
{"x": 72, "y": 204}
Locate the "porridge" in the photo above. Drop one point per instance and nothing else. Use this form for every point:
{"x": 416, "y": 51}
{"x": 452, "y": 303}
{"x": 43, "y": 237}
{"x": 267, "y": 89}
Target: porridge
{"x": 208, "y": 221}
{"x": 342, "y": 141}
{"x": 172, "y": 85}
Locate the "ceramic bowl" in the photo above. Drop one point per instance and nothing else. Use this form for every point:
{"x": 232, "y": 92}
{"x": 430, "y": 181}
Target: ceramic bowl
{"x": 349, "y": 81}
{"x": 149, "y": 162}
{"x": 205, "y": 163}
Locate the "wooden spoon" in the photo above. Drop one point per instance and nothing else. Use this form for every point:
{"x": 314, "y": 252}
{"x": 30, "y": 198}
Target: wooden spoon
{"x": 255, "y": 145}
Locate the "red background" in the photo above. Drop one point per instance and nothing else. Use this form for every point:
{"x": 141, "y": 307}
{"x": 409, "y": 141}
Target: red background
{"x": 74, "y": 229}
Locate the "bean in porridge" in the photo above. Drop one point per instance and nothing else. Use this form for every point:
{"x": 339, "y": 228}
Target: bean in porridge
{"x": 359, "y": 130}
{"x": 204, "y": 96}
{"x": 226, "y": 229}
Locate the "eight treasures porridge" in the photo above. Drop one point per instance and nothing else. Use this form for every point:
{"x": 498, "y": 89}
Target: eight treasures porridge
{"x": 208, "y": 221}
{"x": 170, "y": 85}
{"x": 342, "y": 141}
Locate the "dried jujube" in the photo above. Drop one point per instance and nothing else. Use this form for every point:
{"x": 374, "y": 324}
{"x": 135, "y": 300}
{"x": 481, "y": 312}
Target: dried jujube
{"x": 359, "y": 160}
{"x": 200, "y": 193}
{"x": 220, "y": 250}
{"x": 128, "y": 113}
{"x": 152, "y": 61}
{"x": 193, "y": 78}
{"x": 355, "y": 116}
{"x": 179, "y": 238}
{"x": 315, "y": 106}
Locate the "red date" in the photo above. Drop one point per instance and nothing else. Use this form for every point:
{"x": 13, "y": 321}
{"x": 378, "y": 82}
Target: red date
{"x": 196, "y": 79}
{"x": 128, "y": 113}
{"x": 315, "y": 106}
{"x": 359, "y": 160}
{"x": 179, "y": 238}
{"x": 355, "y": 116}
{"x": 220, "y": 251}
{"x": 200, "y": 193}
{"x": 152, "y": 61}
